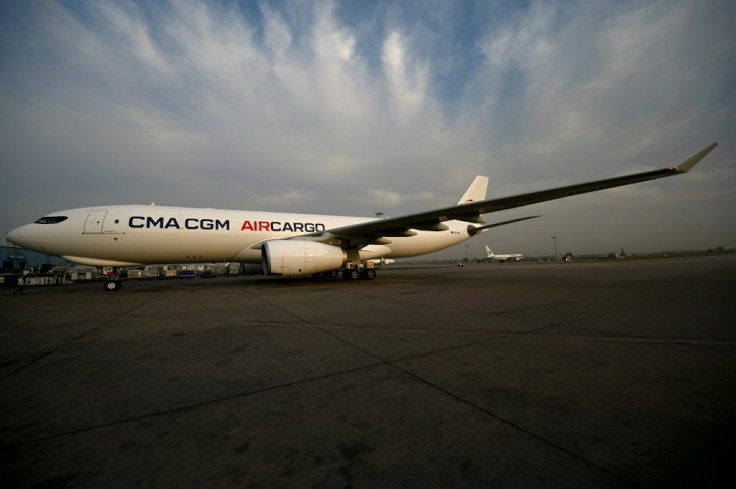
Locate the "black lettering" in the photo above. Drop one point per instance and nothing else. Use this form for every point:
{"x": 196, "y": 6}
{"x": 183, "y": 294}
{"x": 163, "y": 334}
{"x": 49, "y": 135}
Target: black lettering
{"x": 191, "y": 226}
{"x": 155, "y": 223}
{"x": 172, "y": 223}
{"x": 206, "y": 224}
{"x": 130, "y": 222}
{"x": 222, "y": 224}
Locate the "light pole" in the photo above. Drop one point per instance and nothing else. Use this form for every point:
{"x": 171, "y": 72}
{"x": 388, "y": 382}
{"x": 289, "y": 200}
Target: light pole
{"x": 554, "y": 238}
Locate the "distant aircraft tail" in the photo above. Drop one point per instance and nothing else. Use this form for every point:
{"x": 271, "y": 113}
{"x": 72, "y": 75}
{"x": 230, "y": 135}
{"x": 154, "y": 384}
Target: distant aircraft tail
{"x": 489, "y": 252}
{"x": 476, "y": 192}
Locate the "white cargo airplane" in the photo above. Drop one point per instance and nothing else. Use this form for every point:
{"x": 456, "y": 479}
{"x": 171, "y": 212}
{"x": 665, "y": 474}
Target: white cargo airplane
{"x": 508, "y": 257}
{"x": 284, "y": 244}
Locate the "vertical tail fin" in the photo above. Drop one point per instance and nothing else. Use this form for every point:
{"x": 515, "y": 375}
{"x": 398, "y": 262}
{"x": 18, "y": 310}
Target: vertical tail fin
{"x": 489, "y": 252}
{"x": 476, "y": 191}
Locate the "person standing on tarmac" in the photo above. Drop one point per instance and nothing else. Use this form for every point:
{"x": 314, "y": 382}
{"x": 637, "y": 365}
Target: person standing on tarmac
{"x": 21, "y": 286}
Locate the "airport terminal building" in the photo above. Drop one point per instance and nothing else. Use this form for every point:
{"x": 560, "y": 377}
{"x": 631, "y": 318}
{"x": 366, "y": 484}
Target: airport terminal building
{"x": 14, "y": 260}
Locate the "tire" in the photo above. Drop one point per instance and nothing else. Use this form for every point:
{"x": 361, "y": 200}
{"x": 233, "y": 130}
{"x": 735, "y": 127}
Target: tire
{"x": 368, "y": 274}
{"x": 112, "y": 285}
{"x": 350, "y": 274}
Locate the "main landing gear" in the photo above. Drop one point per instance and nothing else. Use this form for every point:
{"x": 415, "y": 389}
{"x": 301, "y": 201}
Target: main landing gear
{"x": 355, "y": 274}
{"x": 364, "y": 273}
{"x": 349, "y": 274}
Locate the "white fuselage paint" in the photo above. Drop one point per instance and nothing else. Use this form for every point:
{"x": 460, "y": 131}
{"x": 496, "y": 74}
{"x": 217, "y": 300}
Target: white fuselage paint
{"x": 137, "y": 234}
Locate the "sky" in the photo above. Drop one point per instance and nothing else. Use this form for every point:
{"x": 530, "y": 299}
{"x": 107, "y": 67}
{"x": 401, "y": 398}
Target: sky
{"x": 355, "y": 107}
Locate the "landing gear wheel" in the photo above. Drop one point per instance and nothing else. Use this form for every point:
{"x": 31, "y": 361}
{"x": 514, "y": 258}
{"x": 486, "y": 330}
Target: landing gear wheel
{"x": 112, "y": 285}
{"x": 333, "y": 274}
{"x": 350, "y": 274}
{"x": 368, "y": 274}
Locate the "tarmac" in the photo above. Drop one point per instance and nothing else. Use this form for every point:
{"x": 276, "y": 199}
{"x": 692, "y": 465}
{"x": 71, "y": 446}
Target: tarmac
{"x": 522, "y": 375}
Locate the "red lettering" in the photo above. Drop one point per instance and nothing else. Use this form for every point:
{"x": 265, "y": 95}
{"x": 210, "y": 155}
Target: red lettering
{"x": 247, "y": 225}
{"x": 263, "y": 225}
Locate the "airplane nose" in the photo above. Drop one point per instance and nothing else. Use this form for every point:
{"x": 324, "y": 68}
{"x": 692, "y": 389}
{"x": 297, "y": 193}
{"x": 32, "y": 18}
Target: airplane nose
{"x": 10, "y": 238}
{"x": 15, "y": 237}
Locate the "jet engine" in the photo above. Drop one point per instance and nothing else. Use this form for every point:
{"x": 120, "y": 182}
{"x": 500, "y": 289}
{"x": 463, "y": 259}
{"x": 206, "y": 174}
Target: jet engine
{"x": 295, "y": 257}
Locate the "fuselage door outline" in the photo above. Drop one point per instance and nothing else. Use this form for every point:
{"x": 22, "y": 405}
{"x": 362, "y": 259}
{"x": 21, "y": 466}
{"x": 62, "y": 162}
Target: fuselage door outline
{"x": 94, "y": 222}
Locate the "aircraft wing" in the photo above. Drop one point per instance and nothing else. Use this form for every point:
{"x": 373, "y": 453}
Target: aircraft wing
{"x": 373, "y": 231}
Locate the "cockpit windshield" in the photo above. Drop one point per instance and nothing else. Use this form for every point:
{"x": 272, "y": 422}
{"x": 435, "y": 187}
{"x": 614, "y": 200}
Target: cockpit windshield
{"x": 51, "y": 219}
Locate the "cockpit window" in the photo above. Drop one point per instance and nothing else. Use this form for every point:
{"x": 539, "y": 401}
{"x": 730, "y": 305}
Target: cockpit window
{"x": 51, "y": 219}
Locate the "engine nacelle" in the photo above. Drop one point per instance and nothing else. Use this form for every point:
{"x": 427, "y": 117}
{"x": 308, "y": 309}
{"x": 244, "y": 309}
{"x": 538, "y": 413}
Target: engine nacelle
{"x": 295, "y": 257}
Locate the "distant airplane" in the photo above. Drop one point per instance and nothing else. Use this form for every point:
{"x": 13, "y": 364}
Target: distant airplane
{"x": 283, "y": 243}
{"x": 380, "y": 262}
{"x": 502, "y": 258}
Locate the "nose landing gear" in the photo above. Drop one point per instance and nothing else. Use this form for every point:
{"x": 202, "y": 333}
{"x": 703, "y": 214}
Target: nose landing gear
{"x": 112, "y": 285}
{"x": 112, "y": 280}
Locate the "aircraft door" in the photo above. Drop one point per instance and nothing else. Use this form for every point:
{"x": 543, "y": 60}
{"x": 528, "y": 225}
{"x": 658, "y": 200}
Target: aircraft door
{"x": 94, "y": 222}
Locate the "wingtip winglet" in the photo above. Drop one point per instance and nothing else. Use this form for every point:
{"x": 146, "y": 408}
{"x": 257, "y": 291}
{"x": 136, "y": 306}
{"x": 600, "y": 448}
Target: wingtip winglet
{"x": 687, "y": 165}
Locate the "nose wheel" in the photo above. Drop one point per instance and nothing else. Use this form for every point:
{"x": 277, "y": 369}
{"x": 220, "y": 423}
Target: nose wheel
{"x": 112, "y": 285}
{"x": 112, "y": 282}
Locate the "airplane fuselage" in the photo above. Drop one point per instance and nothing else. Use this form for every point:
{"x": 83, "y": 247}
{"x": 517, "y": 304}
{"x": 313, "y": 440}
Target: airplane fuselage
{"x": 125, "y": 235}
{"x": 506, "y": 257}
{"x": 502, "y": 258}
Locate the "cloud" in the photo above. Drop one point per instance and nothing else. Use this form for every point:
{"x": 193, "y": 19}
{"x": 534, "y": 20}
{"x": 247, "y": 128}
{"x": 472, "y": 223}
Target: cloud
{"x": 384, "y": 104}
